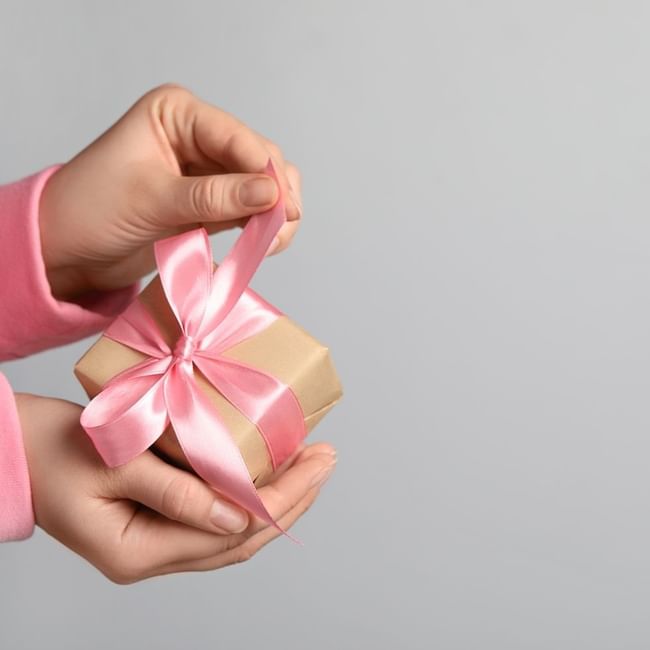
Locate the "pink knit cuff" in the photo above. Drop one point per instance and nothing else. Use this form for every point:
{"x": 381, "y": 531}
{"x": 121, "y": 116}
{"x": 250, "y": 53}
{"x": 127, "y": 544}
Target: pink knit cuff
{"x": 16, "y": 511}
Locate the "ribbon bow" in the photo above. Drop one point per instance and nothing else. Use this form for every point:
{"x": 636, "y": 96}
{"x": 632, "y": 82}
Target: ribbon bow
{"x": 215, "y": 311}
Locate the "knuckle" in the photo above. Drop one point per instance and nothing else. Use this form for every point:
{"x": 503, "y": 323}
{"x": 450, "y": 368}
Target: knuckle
{"x": 111, "y": 481}
{"x": 219, "y": 199}
{"x": 243, "y": 553}
{"x": 176, "y": 498}
{"x": 167, "y": 89}
{"x": 234, "y": 142}
{"x": 204, "y": 197}
{"x": 123, "y": 568}
{"x": 161, "y": 100}
{"x": 119, "y": 577}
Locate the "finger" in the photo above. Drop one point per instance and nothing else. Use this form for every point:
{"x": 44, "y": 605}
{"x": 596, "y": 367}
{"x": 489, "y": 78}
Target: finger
{"x": 151, "y": 541}
{"x": 280, "y": 496}
{"x": 284, "y": 237}
{"x": 289, "y": 229}
{"x": 291, "y": 188}
{"x": 266, "y": 535}
{"x": 200, "y": 132}
{"x": 301, "y": 453}
{"x": 239, "y": 148}
{"x": 281, "y": 469}
{"x": 293, "y": 176}
{"x": 235, "y": 548}
{"x": 249, "y": 547}
{"x": 215, "y": 199}
{"x": 178, "y": 495}
{"x": 280, "y": 242}
{"x": 295, "y": 186}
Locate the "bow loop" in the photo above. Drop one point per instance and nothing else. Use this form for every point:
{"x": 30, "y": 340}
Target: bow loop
{"x": 129, "y": 399}
{"x": 185, "y": 266}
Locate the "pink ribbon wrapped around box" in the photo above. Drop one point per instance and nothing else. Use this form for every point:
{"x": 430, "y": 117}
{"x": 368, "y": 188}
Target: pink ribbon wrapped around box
{"x": 206, "y": 370}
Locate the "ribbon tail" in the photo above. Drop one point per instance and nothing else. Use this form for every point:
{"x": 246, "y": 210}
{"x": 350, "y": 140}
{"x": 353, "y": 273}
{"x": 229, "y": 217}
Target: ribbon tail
{"x": 208, "y": 445}
{"x": 236, "y": 270}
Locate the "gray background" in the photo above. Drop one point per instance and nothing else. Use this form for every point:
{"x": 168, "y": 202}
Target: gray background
{"x": 474, "y": 250}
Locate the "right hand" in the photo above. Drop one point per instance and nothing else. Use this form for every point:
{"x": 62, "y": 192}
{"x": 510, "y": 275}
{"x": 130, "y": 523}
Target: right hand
{"x": 170, "y": 163}
{"x": 147, "y": 517}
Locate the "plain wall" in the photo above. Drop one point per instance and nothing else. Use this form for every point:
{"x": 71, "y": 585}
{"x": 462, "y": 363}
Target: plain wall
{"x": 475, "y": 253}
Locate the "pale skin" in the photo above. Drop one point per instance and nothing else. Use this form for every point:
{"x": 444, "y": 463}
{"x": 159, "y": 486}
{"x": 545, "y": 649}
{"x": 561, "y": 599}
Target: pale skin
{"x": 171, "y": 162}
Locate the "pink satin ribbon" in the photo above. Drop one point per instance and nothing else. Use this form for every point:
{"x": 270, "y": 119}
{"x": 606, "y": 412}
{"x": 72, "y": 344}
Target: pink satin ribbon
{"x": 215, "y": 311}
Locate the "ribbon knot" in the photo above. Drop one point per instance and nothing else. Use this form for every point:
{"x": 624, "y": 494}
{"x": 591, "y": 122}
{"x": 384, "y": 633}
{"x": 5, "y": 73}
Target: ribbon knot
{"x": 215, "y": 311}
{"x": 184, "y": 348}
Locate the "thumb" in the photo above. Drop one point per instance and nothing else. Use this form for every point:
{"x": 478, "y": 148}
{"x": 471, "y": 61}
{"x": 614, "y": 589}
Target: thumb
{"x": 224, "y": 197}
{"x": 178, "y": 495}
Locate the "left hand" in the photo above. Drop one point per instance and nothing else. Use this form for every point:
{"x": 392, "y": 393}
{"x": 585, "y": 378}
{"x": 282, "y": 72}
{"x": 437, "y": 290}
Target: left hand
{"x": 148, "y": 518}
{"x": 170, "y": 163}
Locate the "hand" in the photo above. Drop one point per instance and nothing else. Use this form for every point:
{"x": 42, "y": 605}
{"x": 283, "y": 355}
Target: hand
{"x": 170, "y": 163}
{"x": 148, "y": 518}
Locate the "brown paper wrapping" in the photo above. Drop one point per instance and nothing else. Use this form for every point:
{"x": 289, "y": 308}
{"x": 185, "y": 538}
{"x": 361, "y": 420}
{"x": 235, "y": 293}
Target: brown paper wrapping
{"x": 284, "y": 350}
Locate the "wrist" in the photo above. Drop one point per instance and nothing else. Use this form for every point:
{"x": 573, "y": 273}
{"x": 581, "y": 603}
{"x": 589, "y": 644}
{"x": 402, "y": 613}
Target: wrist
{"x": 66, "y": 284}
{"x": 26, "y": 406}
{"x": 66, "y": 280}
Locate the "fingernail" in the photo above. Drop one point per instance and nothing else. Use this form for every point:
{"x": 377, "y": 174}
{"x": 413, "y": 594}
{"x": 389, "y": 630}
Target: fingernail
{"x": 228, "y": 517}
{"x": 258, "y": 191}
{"x": 274, "y": 246}
{"x": 322, "y": 475}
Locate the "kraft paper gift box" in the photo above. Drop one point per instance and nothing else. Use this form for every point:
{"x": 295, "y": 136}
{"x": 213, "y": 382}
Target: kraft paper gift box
{"x": 284, "y": 350}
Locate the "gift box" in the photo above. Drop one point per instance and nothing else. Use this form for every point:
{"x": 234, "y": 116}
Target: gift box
{"x": 283, "y": 349}
{"x": 204, "y": 370}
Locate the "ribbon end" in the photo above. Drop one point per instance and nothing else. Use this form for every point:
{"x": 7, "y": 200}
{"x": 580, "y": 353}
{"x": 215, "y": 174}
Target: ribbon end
{"x": 295, "y": 540}
{"x": 270, "y": 168}
{"x": 285, "y": 533}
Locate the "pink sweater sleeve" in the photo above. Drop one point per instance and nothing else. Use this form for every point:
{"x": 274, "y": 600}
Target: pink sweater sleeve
{"x": 16, "y": 513}
{"x": 31, "y": 319}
